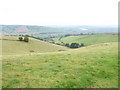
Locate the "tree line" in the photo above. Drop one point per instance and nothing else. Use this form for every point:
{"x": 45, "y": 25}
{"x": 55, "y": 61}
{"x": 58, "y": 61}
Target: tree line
{"x": 71, "y": 45}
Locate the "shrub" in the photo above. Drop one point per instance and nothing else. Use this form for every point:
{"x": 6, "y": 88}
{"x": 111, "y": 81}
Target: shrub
{"x": 67, "y": 44}
{"x": 74, "y": 45}
{"x": 26, "y": 39}
{"x": 20, "y": 38}
{"x": 82, "y": 44}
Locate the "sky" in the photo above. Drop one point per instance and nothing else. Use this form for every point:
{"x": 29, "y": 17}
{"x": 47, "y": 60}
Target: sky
{"x": 59, "y": 12}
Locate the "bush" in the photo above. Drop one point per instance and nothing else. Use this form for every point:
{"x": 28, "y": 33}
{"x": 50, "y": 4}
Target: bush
{"x": 20, "y": 38}
{"x": 82, "y": 44}
{"x": 67, "y": 44}
{"x": 26, "y": 39}
{"x": 74, "y": 45}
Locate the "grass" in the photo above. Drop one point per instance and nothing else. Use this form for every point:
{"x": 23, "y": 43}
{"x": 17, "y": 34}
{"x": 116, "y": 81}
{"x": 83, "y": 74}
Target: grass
{"x": 11, "y": 46}
{"x": 89, "y": 39}
{"x": 93, "y": 66}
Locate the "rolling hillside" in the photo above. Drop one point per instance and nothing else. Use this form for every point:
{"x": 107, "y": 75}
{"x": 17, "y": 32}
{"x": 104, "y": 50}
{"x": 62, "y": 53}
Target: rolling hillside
{"x": 89, "y": 39}
{"x": 94, "y": 66}
{"x": 11, "y": 46}
{"x": 38, "y": 64}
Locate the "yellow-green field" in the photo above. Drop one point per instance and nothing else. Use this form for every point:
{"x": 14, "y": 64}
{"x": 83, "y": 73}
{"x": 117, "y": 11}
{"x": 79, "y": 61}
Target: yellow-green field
{"x": 94, "y": 66}
{"x": 12, "y": 46}
{"x": 88, "y": 39}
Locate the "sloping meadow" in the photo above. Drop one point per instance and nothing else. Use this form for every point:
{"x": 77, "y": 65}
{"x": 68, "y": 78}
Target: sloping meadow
{"x": 12, "y": 46}
{"x": 94, "y": 66}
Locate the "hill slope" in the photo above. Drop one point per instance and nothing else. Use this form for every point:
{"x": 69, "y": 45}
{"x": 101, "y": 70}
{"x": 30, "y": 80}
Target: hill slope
{"x": 93, "y": 66}
{"x": 89, "y": 39}
{"x": 11, "y": 45}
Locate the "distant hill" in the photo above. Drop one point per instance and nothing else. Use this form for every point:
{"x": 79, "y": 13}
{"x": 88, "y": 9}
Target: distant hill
{"x": 88, "y": 39}
{"x": 23, "y": 29}
{"x": 31, "y": 29}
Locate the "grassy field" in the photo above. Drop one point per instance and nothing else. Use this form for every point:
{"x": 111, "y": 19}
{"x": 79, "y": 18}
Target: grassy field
{"x": 89, "y": 39}
{"x": 93, "y": 66}
{"x": 11, "y": 46}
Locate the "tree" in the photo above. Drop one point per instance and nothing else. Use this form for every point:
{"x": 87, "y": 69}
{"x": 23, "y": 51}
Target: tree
{"x": 26, "y": 39}
{"x": 74, "y": 45}
{"x": 20, "y": 38}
